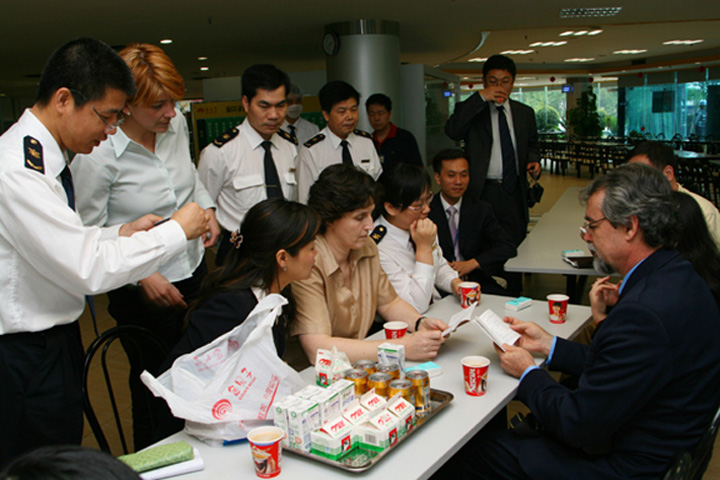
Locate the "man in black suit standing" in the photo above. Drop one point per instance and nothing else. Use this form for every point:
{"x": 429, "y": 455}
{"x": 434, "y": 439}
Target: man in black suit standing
{"x": 501, "y": 144}
{"x": 647, "y": 386}
{"x": 472, "y": 240}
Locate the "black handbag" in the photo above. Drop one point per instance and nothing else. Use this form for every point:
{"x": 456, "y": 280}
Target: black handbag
{"x": 535, "y": 192}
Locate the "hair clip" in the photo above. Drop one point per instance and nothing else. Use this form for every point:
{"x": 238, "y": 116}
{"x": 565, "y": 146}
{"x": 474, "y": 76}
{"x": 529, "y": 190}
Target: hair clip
{"x": 236, "y": 239}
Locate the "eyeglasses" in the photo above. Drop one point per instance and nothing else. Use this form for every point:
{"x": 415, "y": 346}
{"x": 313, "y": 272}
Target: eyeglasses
{"x": 108, "y": 126}
{"x": 494, "y": 82}
{"x": 589, "y": 226}
{"x": 425, "y": 203}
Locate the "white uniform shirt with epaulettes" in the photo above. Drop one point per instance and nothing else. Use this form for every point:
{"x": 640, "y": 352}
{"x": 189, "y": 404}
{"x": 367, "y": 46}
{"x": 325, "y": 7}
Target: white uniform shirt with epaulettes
{"x": 304, "y": 129}
{"x": 324, "y": 150}
{"x": 49, "y": 260}
{"x": 233, "y": 171}
{"x": 415, "y": 282}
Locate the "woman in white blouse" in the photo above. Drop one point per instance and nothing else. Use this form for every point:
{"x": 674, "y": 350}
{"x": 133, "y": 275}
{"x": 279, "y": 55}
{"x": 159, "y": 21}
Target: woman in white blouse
{"x": 407, "y": 241}
{"x": 145, "y": 167}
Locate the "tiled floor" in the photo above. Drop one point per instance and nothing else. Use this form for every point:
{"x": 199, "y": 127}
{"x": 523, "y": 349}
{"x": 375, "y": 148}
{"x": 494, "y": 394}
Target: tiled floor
{"x": 535, "y": 286}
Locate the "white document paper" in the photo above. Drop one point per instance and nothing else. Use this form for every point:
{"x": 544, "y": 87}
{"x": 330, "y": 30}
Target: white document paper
{"x": 459, "y": 319}
{"x": 494, "y": 327}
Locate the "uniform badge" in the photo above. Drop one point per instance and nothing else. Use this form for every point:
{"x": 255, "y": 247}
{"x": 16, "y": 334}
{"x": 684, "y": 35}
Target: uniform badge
{"x": 33, "y": 154}
{"x": 287, "y": 136}
{"x": 226, "y": 137}
{"x": 378, "y": 233}
{"x": 316, "y": 139}
{"x": 362, "y": 133}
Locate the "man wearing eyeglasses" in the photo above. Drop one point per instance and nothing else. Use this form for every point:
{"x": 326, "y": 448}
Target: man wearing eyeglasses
{"x": 501, "y": 144}
{"x": 648, "y": 382}
{"x": 49, "y": 260}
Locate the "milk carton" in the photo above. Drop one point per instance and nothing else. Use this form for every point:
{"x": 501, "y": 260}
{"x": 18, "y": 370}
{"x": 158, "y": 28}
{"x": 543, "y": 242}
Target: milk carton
{"x": 303, "y": 417}
{"x": 404, "y": 411}
{"x": 380, "y": 432}
{"x": 280, "y": 418}
{"x": 346, "y": 390}
{"x": 392, "y": 353}
{"x": 333, "y": 439}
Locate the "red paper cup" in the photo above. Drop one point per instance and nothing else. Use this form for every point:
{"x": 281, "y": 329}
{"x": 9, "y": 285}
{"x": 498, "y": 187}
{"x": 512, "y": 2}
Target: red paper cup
{"x": 395, "y": 329}
{"x": 469, "y": 293}
{"x": 557, "y": 304}
{"x": 475, "y": 373}
{"x": 266, "y": 450}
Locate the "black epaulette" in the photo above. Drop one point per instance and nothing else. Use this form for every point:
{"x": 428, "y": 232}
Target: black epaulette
{"x": 378, "y": 233}
{"x": 33, "y": 154}
{"x": 362, "y": 133}
{"x": 226, "y": 137}
{"x": 287, "y": 136}
{"x": 316, "y": 139}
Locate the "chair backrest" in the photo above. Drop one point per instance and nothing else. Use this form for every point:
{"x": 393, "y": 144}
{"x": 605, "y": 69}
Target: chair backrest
{"x": 692, "y": 467}
{"x": 130, "y": 336}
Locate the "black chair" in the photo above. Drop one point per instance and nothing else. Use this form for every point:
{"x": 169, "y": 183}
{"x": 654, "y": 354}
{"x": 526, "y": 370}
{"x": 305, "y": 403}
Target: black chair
{"x": 692, "y": 465}
{"x": 131, "y": 337}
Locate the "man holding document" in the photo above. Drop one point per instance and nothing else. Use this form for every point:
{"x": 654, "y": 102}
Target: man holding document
{"x": 648, "y": 382}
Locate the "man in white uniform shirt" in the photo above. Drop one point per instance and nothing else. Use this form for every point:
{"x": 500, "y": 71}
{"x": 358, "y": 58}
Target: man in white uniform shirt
{"x": 49, "y": 259}
{"x": 299, "y": 128}
{"x": 255, "y": 160}
{"x": 339, "y": 141}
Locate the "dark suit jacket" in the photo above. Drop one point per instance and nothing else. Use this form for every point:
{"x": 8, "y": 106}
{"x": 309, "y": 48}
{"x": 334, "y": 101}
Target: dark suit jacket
{"x": 471, "y": 123}
{"x": 649, "y": 382}
{"x": 480, "y": 236}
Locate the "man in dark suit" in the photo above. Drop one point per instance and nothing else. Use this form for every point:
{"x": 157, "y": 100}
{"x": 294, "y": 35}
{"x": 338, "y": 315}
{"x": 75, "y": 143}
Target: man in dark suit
{"x": 648, "y": 383}
{"x": 501, "y": 145}
{"x": 472, "y": 240}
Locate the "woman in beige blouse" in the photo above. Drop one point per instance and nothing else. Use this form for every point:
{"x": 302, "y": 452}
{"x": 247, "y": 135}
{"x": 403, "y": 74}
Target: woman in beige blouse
{"x": 337, "y": 304}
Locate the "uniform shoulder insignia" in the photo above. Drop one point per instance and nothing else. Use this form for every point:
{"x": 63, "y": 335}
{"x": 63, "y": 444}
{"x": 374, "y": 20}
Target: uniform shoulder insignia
{"x": 362, "y": 133}
{"x": 316, "y": 139}
{"x": 226, "y": 137}
{"x": 287, "y": 136}
{"x": 378, "y": 233}
{"x": 33, "y": 154}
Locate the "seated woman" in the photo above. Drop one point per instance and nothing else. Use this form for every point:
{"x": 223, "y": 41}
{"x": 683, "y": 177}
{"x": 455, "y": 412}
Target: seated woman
{"x": 274, "y": 246}
{"x": 407, "y": 240}
{"x": 337, "y": 304}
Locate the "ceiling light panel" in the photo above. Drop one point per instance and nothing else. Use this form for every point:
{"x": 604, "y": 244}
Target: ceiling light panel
{"x": 589, "y": 12}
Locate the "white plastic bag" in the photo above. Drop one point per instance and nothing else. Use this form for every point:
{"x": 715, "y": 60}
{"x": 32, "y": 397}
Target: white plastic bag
{"x": 227, "y": 387}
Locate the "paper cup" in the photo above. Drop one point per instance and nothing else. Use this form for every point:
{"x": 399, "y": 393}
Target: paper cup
{"x": 557, "y": 305}
{"x": 469, "y": 293}
{"x": 395, "y": 329}
{"x": 266, "y": 450}
{"x": 475, "y": 373}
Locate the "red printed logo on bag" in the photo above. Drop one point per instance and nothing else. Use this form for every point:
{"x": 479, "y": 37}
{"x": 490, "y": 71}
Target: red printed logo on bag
{"x": 221, "y": 409}
{"x": 233, "y": 346}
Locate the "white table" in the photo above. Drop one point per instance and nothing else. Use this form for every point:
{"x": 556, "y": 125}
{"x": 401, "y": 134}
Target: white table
{"x": 557, "y": 230}
{"x": 427, "y": 450}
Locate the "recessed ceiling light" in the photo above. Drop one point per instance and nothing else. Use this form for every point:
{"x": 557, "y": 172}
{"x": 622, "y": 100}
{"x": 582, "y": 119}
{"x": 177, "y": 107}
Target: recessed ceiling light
{"x": 629, "y": 52}
{"x": 595, "y": 32}
{"x": 548, "y": 44}
{"x": 589, "y": 12}
{"x": 202, "y": 59}
{"x": 477, "y": 59}
{"x": 524, "y": 79}
{"x": 517, "y": 52}
{"x": 204, "y": 69}
{"x": 683, "y": 42}
{"x": 580, "y": 32}
{"x": 579, "y": 60}
{"x": 166, "y": 41}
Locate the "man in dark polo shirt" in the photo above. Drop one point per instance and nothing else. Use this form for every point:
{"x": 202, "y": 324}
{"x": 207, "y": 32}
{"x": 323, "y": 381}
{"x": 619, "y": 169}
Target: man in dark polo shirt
{"x": 393, "y": 144}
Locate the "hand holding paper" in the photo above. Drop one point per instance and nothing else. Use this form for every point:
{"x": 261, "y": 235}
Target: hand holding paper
{"x": 459, "y": 319}
{"x": 498, "y": 331}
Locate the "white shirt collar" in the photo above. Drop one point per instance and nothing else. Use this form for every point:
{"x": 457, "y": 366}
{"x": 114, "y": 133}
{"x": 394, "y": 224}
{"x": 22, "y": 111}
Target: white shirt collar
{"x": 400, "y": 235}
{"x": 253, "y": 137}
{"x": 334, "y": 139}
{"x": 446, "y": 205}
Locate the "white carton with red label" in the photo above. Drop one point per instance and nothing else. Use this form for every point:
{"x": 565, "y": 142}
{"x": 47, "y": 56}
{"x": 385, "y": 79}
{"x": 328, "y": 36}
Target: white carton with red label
{"x": 333, "y": 439}
{"x": 404, "y": 411}
{"x": 380, "y": 432}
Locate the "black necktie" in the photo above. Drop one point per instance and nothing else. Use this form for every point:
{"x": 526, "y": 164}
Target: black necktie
{"x": 292, "y": 132}
{"x": 508, "y": 153}
{"x": 67, "y": 183}
{"x": 347, "y": 158}
{"x": 272, "y": 181}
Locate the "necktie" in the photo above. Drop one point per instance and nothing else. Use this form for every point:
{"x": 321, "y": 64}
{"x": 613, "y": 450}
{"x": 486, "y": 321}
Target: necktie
{"x": 347, "y": 158}
{"x": 292, "y": 132}
{"x": 272, "y": 181}
{"x": 67, "y": 183}
{"x": 508, "y": 153}
{"x": 452, "y": 223}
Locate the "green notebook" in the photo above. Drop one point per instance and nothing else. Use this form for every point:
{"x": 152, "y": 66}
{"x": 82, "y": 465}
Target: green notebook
{"x": 160, "y": 456}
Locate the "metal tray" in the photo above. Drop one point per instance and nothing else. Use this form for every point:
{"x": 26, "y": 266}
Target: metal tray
{"x": 360, "y": 459}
